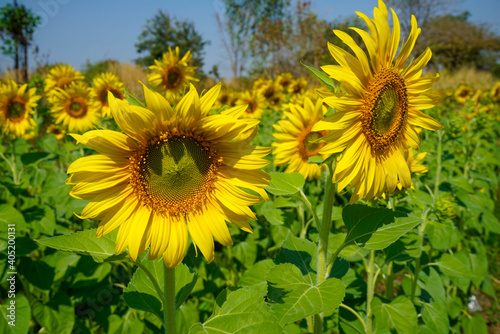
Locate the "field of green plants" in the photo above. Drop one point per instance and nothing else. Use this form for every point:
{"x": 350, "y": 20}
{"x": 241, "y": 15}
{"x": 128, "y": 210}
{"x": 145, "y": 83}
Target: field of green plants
{"x": 315, "y": 236}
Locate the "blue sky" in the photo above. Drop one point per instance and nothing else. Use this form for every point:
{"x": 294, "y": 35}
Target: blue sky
{"x": 73, "y": 31}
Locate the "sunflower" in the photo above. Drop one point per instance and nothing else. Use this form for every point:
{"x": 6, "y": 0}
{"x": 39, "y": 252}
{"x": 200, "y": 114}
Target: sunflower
{"x": 170, "y": 172}
{"x": 495, "y": 92}
{"x": 298, "y": 86}
{"x": 272, "y": 93}
{"x": 73, "y": 106}
{"x": 56, "y": 131}
{"x": 463, "y": 94}
{"x": 102, "y": 84}
{"x": 60, "y": 76}
{"x": 16, "y": 108}
{"x": 254, "y": 101}
{"x": 172, "y": 73}
{"x": 284, "y": 80}
{"x": 375, "y": 121}
{"x": 296, "y": 142}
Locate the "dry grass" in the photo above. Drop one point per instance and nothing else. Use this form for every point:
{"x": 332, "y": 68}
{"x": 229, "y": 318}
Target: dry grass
{"x": 130, "y": 75}
{"x": 8, "y": 74}
{"x": 466, "y": 75}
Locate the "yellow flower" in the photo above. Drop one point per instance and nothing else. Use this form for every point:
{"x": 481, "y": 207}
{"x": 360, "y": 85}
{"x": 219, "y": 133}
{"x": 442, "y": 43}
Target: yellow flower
{"x": 272, "y": 94}
{"x": 16, "y": 108}
{"x": 298, "y": 86}
{"x": 463, "y": 94}
{"x": 172, "y": 73}
{"x": 74, "y": 107}
{"x": 495, "y": 92}
{"x": 296, "y": 142}
{"x": 102, "y": 84}
{"x": 375, "y": 121}
{"x": 60, "y": 76}
{"x": 284, "y": 80}
{"x": 56, "y": 131}
{"x": 170, "y": 172}
{"x": 254, "y": 101}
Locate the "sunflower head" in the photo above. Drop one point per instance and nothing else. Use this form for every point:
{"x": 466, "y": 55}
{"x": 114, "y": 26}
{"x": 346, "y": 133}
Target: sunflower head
{"x": 463, "y": 94}
{"x": 495, "y": 92}
{"x": 255, "y": 103}
{"x": 171, "y": 170}
{"x": 272, "y": 93}
{"x": 74, "y": 107}
{"x": 172, "y": 73}
{"x": 17, "y": 104}
{"x": 297, "y": 86}
{"x": 376, "y": 119}
{"x": 61, "y": 76}
{"x": 56, "y": 131}
{"x": 284, "y": 80}
{"x": 296, "y": 142}
{"x": 102, "y": 84}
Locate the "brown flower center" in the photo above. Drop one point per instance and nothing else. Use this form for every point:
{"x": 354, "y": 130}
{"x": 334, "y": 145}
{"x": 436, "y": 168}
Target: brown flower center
{"x": 16, "y": 110}
{"x": 76, "y": 107}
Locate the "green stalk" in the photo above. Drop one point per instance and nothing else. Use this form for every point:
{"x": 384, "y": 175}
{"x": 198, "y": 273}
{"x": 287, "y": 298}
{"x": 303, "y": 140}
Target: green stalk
{"x": 369, "y": 291}
{"x": 324, "y": 232}
{"x": 169, "y": 306}
{"x": 438, "y": 169}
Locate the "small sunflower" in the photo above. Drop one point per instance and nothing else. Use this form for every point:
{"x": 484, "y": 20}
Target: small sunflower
{"x": 284, "y": 80}
{"x": 495, "y": 92}
{"x": 172, "y": 73}
{"x": 298, "y": 86}
{"x": 73, "y": 106}
{"x": 272, "y": 93}
{"x": 102, "y": 84}
{"x": 374, "y": 125}
{"x": 463, "y": 94}
{"x": 296, "y": 142}
{"x": 56, "y": 131}
{"x": 170, "y": 172}
{"x": 16, "y": 108}
{"x": 254, "y": 101}
{"x": 60, "y": 76}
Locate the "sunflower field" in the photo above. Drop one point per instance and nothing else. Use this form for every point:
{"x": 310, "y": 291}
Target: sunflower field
{"x": 358, "y": 199}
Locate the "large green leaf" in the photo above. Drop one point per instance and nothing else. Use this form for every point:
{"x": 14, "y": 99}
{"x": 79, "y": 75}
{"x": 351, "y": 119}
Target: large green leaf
{"x": 141, "y": 293}
{"x": 293, "y": 298}
{"x": 301, "y": 253}
{"x": 399, "y": 315}
{"x": 475, "y": 325}
{"x": 257, "y": 273}
{"x": 241, "y": 311}
{"x": 85, "y": 242}
{"x": 19, "y": 316}
{"x": 57, "y": 316}
{"x": 285, "y": 183}
{"x": 451, "y": 265}
{"x": 376, "y": 228}
{"x": 42, "y": 219}
{"x": 127, "y": 324}
{"x": 9, "y": 215}
{"x": 436, "y": 318}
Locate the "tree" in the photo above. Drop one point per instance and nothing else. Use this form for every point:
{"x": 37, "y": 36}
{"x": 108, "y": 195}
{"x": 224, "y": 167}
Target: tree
{"x": 163, "y": 31}
{"x": 423, "y": 10}
{"x": 17, "y": 25}
{"x": 455, "y": 42}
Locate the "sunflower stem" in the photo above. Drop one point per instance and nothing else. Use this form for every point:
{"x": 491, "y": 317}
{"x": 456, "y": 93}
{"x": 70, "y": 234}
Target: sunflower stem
{"x": 369, "y": 291}
{"x": 324, "y": 232}
{"x": 169, "y": 295}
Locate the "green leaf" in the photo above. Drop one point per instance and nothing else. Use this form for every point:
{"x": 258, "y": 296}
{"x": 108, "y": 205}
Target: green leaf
{"x": 399, "y": 315}
{"x": 243, "y": 311}
{"x": 285, "y": 183}
{"x": 49, "y": 143}
{"x": 42, "y": 219}
{"x": 85, "y": 242}
{"x": 273, "y": 216}
{"x": 256, "y": 274}
{"x": 490, "y": 222}
{"x": 436, "y": 318}
{"x": 9, "y": 215}
{"x": 33, "y": 157}
{"x": 21, "y": 313}
{"x": 451, "y": 265}
{"x": 38, "y": 273}
{"x": 323, "y": 77}
{"x": 127, "y": 324}
{"x": 293, "y": 298}
{"x": 133, "y": 100}
{"x": 301, "y": 253}
{"x": 141, "y": 293}
{"x": 475, "y": 325}
{"x": 443, "y": 236}
{"x": 245, "y": 252}
{"x": 377, "y": 228}
{"x": 57, "y": 316}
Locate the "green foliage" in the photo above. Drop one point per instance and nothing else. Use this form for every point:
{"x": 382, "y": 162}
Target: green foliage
{"x": 163, "y": 31}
